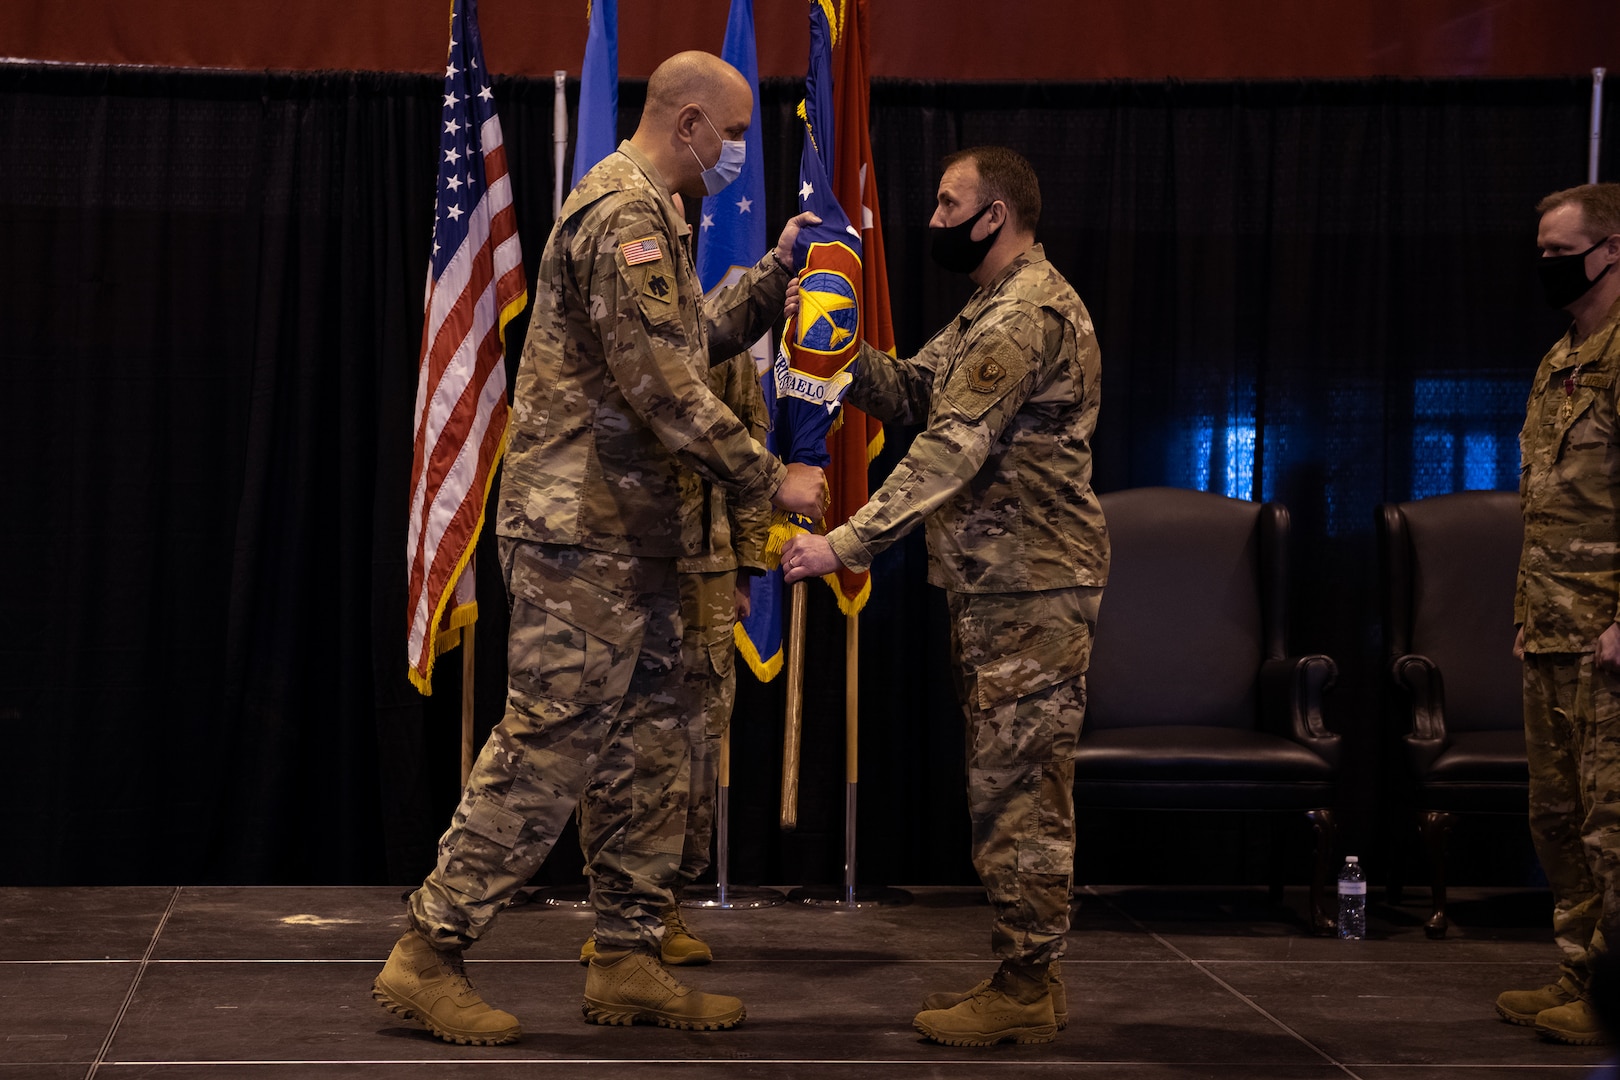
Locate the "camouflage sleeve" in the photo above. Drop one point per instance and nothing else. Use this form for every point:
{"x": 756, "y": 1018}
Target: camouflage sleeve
{"x": 1520, "y": 606}
{"x": 750, "y": 518}
{"x": 745, "y": 311}
{"x": 638, "y": 314}
{"x": 895, "y": 391}
{"x": 987, "y": 385}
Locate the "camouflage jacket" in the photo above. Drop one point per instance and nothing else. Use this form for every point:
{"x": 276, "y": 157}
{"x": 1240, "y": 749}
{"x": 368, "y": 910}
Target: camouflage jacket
{"x": 614, "y": 429}
{"x": 737, "y": 528}
{"x": 1002, "y": 473}
{"x": 1569, "y": 488}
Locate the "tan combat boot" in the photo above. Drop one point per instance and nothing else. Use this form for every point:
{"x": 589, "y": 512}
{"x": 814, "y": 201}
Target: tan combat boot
{"x": 680, "y": 946}
{"x": 1054, "y": 982}
{"x": 423, "y": 984}
{"x": 1015, "y": 1005}
{"x": 1574, "y": 1023}
{"x": 1523, "y": 1006}
{"x": 623, "y": 987}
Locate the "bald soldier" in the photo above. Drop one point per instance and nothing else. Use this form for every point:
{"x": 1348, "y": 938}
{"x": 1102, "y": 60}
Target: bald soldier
{"x": 615, "y": 440}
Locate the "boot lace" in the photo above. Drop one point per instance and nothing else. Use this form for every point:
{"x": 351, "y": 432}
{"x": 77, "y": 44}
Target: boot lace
{"x": 452, "y": 964}
{"x": 674, "y": 921}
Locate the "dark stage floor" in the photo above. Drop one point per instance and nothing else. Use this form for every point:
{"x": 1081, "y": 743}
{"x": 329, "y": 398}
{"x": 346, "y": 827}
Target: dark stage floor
{"x": 273, "y": 984}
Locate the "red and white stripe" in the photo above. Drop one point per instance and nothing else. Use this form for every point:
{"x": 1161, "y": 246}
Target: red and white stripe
{"x": 461, "y": 412}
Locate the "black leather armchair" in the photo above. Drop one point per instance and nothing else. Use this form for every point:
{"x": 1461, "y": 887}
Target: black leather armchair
{"x": 1194, "y": 702}
{"x": 1447, "y": 569}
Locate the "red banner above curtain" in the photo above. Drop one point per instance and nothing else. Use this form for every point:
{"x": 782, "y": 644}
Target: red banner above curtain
{"x": 911, "y": 39}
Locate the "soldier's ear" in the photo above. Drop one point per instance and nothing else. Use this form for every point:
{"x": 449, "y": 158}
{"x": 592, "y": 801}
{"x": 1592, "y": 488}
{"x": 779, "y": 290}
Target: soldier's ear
{"x": 997, "y": 216}
{"x": 687, "y": 120}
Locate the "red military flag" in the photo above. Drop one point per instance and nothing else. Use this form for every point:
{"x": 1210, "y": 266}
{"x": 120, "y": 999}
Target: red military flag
{"x": 858, "y": 438}
{"x": 475, "y": 286}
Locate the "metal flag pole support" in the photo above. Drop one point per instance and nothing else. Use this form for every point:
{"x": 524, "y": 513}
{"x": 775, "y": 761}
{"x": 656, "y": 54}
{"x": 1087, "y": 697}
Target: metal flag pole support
{"x": 847, "y": 895}
{"x": 466, "y": 703}
{"x": 559, "y": 138}
{"x": 723, "y": 894}
{"x": 1596, "y": 139}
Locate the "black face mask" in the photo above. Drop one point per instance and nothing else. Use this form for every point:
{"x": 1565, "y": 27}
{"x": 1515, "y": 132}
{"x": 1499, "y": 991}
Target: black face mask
{"x": 956, "y": 250}
{"x": 1563, "y": 277}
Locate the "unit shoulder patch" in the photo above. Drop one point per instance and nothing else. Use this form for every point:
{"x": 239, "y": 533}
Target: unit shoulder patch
{"x": 658, "y": 286}
{"x": 985, "y": 376}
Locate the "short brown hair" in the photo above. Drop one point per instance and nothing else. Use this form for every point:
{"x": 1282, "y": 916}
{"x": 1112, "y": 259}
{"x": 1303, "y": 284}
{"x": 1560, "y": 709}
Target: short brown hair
{"x": 1599, "y": 203}
{"x": 1006, "y": 175}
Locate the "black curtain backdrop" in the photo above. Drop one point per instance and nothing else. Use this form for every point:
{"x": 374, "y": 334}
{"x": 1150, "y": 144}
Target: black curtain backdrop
{"x": 1320, "y": 293}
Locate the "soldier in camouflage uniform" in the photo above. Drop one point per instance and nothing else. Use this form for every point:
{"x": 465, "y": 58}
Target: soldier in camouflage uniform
{"x": 615, "y": 436}
{"x": 714, "y": 595}
{"x": 712, "y": 600}
{"x": 1001, "y": 477}
{"x": 1567, "y": 603}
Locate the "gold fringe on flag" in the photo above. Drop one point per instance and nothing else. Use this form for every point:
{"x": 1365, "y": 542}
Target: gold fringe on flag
{"x": 764, "y": 668}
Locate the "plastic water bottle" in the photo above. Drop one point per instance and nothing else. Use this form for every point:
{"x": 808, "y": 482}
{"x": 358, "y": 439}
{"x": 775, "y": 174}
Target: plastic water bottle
{"x": 1352, "y": 900}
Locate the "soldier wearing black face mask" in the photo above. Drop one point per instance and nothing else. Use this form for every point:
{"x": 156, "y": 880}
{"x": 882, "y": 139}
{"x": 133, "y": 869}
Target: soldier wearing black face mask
{"x": 1001, "y": 481}
{"x": 1568, "y": 602}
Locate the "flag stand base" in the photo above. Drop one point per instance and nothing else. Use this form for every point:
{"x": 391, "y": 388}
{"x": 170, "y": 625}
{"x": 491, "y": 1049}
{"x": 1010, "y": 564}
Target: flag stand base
{"x": 867, "y": 896}
{"x": 730, "y": 897}
{"x": 848, "y": 895}
{"x": 723, "y": 895}
{"x": 561, "y": 896}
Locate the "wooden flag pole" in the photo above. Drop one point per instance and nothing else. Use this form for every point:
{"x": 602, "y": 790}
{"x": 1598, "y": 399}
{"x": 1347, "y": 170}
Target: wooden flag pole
{"x": 795, "y": 707}
{"x": 466, "y": 702}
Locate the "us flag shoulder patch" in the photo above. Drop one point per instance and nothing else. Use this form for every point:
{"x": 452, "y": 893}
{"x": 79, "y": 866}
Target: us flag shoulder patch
{"x": 644, "y": 250}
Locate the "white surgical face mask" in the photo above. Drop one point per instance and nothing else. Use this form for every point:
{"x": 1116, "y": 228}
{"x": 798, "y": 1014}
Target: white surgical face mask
{"x": 732, "y": 154}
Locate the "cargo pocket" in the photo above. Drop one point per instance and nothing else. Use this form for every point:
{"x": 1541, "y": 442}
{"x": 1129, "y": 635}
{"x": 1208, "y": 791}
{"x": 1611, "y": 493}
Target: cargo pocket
{"x": 495, "y": 823}
{"x": 484, "y": 853}
{"x": 722, "y": 652}
{"x": 1603, "y": 706}
{"x": 1043, "y": 664}
{"x": 1051, "y": 857}
{"x": 718, "y": 695}
{"x": 570, "y": 640}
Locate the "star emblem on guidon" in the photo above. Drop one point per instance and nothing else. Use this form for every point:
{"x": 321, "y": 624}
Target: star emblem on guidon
{"x": 805, "y": 191}
{"x": 744, "y": 204}
{"x": 708, "y": 221}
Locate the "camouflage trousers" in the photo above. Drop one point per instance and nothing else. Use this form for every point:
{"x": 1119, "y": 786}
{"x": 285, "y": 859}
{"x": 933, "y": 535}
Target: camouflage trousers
{"x": 1572, "y": 737}
{"x": 1020, "y": 666}
{"x": 708, "y": 610}
{"x": 709, "y": 605}
{"x": 596, "y": 710}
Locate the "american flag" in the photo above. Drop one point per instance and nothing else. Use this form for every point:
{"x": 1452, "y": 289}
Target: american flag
{"x": 475, "y": 286}
{"x": 640, "y": 251}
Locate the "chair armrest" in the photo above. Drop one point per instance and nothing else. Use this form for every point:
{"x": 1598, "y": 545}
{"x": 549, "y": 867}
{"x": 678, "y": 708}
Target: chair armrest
{"x": 1291, "y": 692}
{"x": 1420, "y": 684}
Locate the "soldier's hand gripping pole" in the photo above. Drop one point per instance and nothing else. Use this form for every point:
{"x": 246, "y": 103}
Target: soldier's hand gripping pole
{"x": 795, "y": 706}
